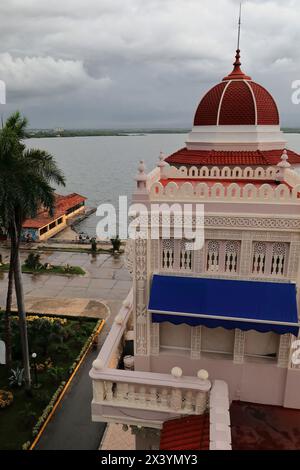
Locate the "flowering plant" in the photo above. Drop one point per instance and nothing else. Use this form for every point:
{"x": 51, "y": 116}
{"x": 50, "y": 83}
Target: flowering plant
{"x": 6, "y": 398}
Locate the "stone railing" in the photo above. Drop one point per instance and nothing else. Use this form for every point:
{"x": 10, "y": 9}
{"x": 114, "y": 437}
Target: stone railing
{"x": 153, "y": 177}
{"x": 219, "y": 417}
{"x": 291, "y": 177}
{"x": 150, "y": 391}
{"x": 164, "y": 396}
{"x": 204, "y": 172}
{"x": 220, "y": 192}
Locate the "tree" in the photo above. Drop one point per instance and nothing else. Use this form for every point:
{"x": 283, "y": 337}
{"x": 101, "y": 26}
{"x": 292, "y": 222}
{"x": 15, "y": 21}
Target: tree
{"x": 7, "y": 318}
{"x": 25, "y": 186}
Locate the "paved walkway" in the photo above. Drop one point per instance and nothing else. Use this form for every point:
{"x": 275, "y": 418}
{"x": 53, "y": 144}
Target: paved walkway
{"x": 116, "y": 438}
{"x": 71, "y": 427}
{"x": 106, "y": 279}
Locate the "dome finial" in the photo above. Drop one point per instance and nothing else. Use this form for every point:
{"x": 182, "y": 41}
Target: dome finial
{"x": 239, "y": 29}
{"x": 237, "y": 62}
{"x": 237, "y": 73}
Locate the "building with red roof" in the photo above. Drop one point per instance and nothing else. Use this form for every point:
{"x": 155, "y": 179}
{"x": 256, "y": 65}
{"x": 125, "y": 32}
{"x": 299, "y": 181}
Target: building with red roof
{"x": 213, "y": 311}
{"x": 45, "y": 226}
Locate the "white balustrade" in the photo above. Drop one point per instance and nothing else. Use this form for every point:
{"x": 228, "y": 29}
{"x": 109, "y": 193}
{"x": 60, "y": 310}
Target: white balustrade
{"x": 215, "y": 172}
{"x": 219, "y": 192}
{"x": 219, "y": 417}
{"x": 143, "y": 390}
{"x": 152, "y": 177}
{"x": 291, "y": 177}
{"x": 146, "y": 390}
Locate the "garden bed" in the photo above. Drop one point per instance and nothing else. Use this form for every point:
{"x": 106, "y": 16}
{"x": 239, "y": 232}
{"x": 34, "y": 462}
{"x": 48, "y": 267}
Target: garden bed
{"x": 58, "y": 270}
{"x": 60, "y": 343}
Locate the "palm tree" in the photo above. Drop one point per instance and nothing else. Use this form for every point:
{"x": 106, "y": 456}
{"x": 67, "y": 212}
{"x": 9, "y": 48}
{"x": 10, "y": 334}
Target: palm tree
{"x": 25, "y": 186}
{"x": 7, "y": 318}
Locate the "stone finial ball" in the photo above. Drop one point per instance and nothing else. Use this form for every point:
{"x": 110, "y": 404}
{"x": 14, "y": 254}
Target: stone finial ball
{"x": 202, "y": 374}
{"x": 98, "y": 364}
{"x": 176, "y": 372}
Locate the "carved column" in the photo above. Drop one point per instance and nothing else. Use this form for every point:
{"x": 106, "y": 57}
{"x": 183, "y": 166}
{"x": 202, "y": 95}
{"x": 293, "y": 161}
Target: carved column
{"x": 199, "y": 262}
{"x": 155, "y": 256}
{"x": 293, "y": 264}
{"x": 246, "y": 255}
{"x": 142, "y": 320}
{"x": 154, "y": 339}
{"x": 239, "y": 346}
{"x": 284, "y": 350}
{"x": 196, "y": 342}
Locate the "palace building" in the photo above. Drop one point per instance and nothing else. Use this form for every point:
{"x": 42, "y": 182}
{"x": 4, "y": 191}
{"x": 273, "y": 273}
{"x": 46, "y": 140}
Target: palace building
{"x": 215, "y": 325}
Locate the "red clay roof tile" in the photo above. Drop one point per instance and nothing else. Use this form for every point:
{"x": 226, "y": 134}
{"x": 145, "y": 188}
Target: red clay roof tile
{"x": 224, "y": 158}
{"x": 189, "y": 433}
{"x": 237, "y": 105}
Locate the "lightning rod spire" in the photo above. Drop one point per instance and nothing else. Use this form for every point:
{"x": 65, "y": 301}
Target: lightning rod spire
{"x": 239, "y": 27}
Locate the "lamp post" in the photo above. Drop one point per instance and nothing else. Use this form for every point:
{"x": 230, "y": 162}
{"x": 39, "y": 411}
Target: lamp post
{"x": 34, "y": 356}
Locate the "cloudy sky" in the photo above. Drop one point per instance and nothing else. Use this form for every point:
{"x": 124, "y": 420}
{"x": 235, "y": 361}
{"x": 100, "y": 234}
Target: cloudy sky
{"x": 140, "y": 63}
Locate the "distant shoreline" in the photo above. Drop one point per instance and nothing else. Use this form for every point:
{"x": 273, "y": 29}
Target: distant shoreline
{"x": 41, "y": 133}
{"x": 46, "y": 133}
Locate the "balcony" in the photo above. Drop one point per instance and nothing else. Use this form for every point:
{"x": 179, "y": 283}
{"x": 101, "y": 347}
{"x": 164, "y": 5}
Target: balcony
{"x": 137, "y": 397}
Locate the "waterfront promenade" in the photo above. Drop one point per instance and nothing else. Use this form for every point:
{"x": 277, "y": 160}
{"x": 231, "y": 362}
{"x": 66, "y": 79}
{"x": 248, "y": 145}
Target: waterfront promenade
{"x": 106, "y": 282}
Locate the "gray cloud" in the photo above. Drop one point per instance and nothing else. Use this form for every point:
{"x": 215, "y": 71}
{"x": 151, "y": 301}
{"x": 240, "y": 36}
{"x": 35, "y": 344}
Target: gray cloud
{"x": 126, "y": 63}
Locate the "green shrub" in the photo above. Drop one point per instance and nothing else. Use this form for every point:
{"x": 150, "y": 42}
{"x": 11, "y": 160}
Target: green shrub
{"x": 27, "y": 415}
{"x": 33, "y": 261}
{"x": 56, "y": 373}
{"x": 42, "y": 396}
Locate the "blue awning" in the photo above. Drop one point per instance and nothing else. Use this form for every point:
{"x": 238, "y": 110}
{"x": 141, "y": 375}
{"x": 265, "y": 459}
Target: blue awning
{"x": 247, "y": 305}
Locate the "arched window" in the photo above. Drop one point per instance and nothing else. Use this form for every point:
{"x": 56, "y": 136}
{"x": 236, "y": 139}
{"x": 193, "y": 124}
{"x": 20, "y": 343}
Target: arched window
{"x": 259, "y": 258}
{"x": 278, "y": 258}
{"x": 213, "y": 255}
{"x": 186, "y": 256}
{"x": 167, "y": 256}
{"x": 231, "y": 256}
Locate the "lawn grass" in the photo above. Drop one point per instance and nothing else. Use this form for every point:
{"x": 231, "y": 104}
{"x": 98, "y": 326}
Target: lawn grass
{"x": 17, "y": 420}
{"x": 58, "y": 270}
{"x": 104, "y": 251}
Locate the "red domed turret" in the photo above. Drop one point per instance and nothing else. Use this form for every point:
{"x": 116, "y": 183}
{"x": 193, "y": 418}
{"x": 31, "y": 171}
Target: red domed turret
{"x": 236, "y": 123}
{"x": 237, "y": 100}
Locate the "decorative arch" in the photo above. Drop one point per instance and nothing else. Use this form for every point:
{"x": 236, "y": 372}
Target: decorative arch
{"x": 237, "y": 172}
{"x": 193, "y": 172}
{"x": 186, "y": 190}
{"x": 226, "y": 172}
{"x": 234, "y": 191}
{"x": 259, "y": 172}
{"x": 202, "y": 190}
{"x": 265, "y": 192}
{"x": 218, "y": 191}
{"x": 183, "y": 171}
{"x": 249, "y": 191}
{"x": 215, "y": 172}
{"x": 282, "y": 192}
{"x": 156, "y": 190}
{"x": 171, "y": 190}
{"x": 248, "y": 172}
{"x": 296, "y": 191}
{"x": 204, "y": 172}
